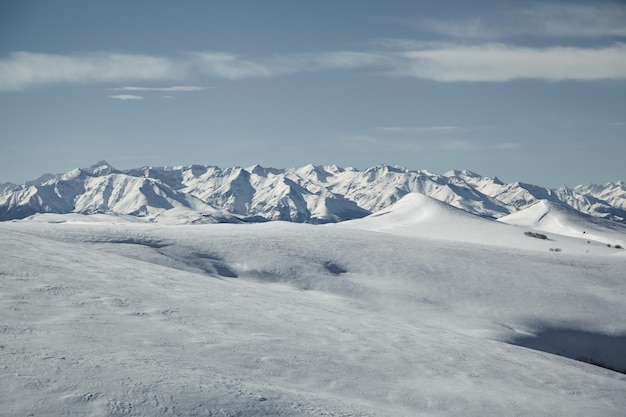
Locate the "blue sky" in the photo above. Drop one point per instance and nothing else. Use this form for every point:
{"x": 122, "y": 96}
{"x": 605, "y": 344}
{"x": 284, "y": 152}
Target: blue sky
{"x": 528, "y": 91}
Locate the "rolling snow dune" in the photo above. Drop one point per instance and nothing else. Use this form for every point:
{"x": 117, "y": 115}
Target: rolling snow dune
{"x": 127, "y": 319}
{"x": 422, "y": 216}
{"x": 555, "y": 218}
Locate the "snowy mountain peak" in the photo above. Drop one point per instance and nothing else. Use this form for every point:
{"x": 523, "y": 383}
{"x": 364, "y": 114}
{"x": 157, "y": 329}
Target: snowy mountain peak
{"x": 98, "y": 169}
{"x": 71, "y": 175}
{"x": 99, "y": 164}
{"x": 101, "y": 168}
{"x": 416, "y": 207}
{"x": 256, "y": 169}
{"x": 386, "y": 169}
{"x": 314, "y": 173}
{"x": 263, "y": 172}
{"x": 462, "y": 173}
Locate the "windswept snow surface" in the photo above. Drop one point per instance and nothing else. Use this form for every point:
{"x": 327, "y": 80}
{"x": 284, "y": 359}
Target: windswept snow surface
{"x": 119, "y": 318}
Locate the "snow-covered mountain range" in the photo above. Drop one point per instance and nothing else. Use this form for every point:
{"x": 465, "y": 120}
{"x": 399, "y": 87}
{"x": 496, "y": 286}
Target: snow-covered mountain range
{"x": 313, "y": 194}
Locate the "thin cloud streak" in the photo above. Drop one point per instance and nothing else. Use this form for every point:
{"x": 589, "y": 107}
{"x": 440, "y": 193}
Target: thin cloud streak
{"x": 391, "y": 144}
{"x": 500, "y": 62}
{"x": 458, "y": 145}
{"x": 126, "y": 97}
{"x": 551, "y": 20}
{"x": 473, "y": 28}
{"x": 577, "y": 20}
{"x": 25, "y": 69}
{"x": 230, "y": 66}
{"x": 442, "y": 62}
{"x": 174, "y": 88}
{"x": 233, "y": 67}
{"x": 505, "y": 146}
{"x": 368, "y": 143}
{"x": 416, "y": 129}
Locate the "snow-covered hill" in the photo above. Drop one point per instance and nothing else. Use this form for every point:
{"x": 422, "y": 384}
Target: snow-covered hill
{"x": 563, "y": 228}
{"x": 563, "y": 220}
{"x": 313, "y": 194}
{"x": 419, "y": 215}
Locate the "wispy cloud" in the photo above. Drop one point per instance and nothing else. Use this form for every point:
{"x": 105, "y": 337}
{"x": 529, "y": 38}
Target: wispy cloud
{"x": 458, "y": 145}
{"x": 468, "y": 28}
{"x": 410, "y": 130}
{"x": 21, "y": 70}
{"x": 500, "y": 62}
{"x": 444, "y": 139}
{"x": 443, "y": 62}
{"x": 601, "y": 19}
{"x": 467, "y": 145}
{"x": 231, "y": 66}
{"x": 505, "y": 146}
{"x": 174, "y": 88}
{"x": 25, "y": 69}
{"x": 576, "y": 20}
{"x": 368, "y": 143}
{"x": 126, "y": 97}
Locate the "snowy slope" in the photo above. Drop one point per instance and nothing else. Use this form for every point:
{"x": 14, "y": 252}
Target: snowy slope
{"x": 311, "y": 194}
{"x": 278, "y": 318}
{"x": 555, "y": 218}
{"x": 417, "y": 215}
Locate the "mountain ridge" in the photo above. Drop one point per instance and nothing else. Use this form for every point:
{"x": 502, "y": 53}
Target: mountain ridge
{"x": 313, "y": 194}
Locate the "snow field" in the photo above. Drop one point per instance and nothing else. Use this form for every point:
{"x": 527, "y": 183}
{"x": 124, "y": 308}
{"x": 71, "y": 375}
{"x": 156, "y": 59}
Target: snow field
{"x": 138, "y": 319}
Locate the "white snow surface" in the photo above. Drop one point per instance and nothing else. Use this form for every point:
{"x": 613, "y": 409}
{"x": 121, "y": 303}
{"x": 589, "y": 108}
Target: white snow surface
{"x": 418, "y": 310}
